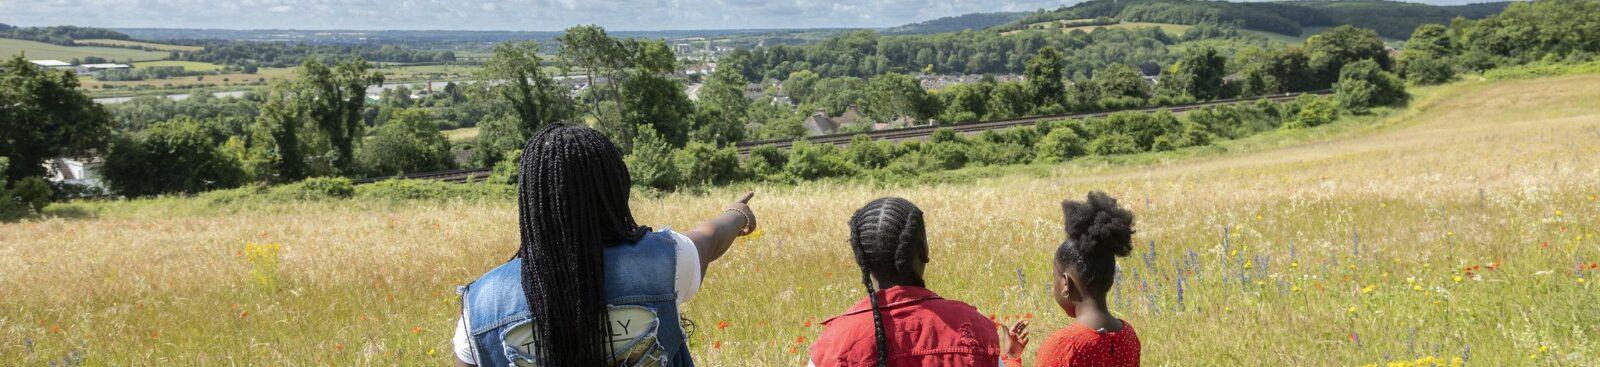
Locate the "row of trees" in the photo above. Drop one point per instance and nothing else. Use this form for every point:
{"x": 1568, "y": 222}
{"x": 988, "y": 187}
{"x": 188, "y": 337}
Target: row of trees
{"x": 655, "y": 166}
{"x": 60, "y": 35}
{"x": 1389, "y": 18}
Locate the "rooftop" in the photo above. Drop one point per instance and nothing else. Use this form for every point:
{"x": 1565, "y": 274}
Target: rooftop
{"x": 50, "y": 63}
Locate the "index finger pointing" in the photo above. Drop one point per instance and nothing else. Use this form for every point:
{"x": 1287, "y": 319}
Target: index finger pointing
{"x": 746, "y": 198}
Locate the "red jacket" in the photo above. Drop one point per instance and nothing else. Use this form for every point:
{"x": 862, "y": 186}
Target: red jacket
{"x": 922, "y": 328}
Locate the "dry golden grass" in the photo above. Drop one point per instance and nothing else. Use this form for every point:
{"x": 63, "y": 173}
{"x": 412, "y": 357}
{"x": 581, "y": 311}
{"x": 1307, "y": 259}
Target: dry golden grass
{"x": 1383, "y": 218}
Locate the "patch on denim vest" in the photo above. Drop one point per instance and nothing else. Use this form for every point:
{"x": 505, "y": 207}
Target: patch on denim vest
{"x": 633, "y": 339}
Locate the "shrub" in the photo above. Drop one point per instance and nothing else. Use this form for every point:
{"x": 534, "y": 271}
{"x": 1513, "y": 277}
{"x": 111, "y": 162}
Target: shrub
{"x": 1311, "y": 111}
{"x": 1427, "y": 70}
{"x": 505, "y": 169}
{"x": 178, "y": 156}
{"x": 766, "y": 162}
{"x": 1364, "y": 84}
{"x": 33, "y": 193}
{"x": 425, "y": 190}
{"x": 650, "y": 164}
{"x": 409, "y": 142}
{"x": 1113, "y": 143}
{"x": 315, "y": 188}
{"x": 703, "y": 163}
{"x": 866, "y": 153}
{"x": 949, "y": 154}
{"x": 999, "y": 152}
{"x": 1060, "y": 145}
{"x": 913, "y": 163}
{"x": 809, "y": 161}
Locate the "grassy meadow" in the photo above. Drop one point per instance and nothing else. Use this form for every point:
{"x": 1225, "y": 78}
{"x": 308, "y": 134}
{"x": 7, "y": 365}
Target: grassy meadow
{"x": 1453, "y": 228}
{"x": 45, "y": 51}
{"x": 187, "y": 65}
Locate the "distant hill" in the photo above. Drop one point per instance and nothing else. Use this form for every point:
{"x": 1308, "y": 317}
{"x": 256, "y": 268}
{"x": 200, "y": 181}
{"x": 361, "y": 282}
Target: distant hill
{"x": 974, "y": 21}
{"x": 60, "y": 35}
{"x": 1392, "y": 19}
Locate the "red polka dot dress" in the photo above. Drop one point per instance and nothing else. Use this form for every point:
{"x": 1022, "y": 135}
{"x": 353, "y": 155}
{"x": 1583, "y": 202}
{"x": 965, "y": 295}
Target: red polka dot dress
{"x": 1077, "y": 345}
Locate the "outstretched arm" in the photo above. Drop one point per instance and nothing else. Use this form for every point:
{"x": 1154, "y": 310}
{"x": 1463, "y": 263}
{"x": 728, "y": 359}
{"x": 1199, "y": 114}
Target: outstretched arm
{"x": 714, "y": 236}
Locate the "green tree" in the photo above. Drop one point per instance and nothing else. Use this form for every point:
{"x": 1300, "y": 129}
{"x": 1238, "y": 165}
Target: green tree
{"x": 657, "y": 102}
{"x": 340, "y": 94}
{"x": 966, "y": 102}
{"x": 1010, "y": 99}
{"x": 1330, "y": 51}
{"x": 866, "y": 153}
{"x": 589, "y": 50}
{"x": 723, "y": 107}
{"x": 1045, "y": 78}
{"x": 1431, "y": 40}
{"x": 1428, "y": 70}
{"x": 894, "y": 95}
{"x": 1199, "y": 73}
{"x": 522, "y": 86}
{"x": 801, "y": 86}
{"x": 410, "y": 142}
{"x": 178, "y": 156}
{"x": 276, "y": 151}
{"x": 43, "y": 115}
{"x": 1363, "y": 84}
{"x": 1121, "y": 86}
{"x": 650, "y": 164}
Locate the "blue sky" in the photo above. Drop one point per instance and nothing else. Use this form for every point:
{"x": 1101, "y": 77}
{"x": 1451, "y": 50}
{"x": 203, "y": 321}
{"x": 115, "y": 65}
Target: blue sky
{"x": 522, "y": 15}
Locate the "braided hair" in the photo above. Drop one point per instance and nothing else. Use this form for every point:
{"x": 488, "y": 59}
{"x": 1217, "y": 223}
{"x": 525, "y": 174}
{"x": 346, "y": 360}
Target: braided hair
{"x": 572, "y": 199}
{"x": 888, "y": 239}
{"x": 1098, "y": 232}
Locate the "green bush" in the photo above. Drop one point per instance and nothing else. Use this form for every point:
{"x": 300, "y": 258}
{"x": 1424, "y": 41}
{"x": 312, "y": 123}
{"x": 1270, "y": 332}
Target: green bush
{"x": 650, "y": 164}
{"x": 808, "y": 161}
{"x": 913, "y": 163}
{"x": 1363, "y": 85}
{"x": 426, "y": 190}
{"x": 1310, "y": 111}
{"x": 409, "y": 142}
{"x": 766, "y": 162}
{"x": 178, "y": 156}
{"x": 505, "y": 169}
{"x": 1113, "y": 144}
{"x": 315, "y": 188}
{"x": 32, "y": 192}
{"x": 1060, "y": 145}
{"x": 949, "y": 154}
{"x": 867, "y": 154}
{"x": 703, "y": 163}
{"x": 1427, "y": 70}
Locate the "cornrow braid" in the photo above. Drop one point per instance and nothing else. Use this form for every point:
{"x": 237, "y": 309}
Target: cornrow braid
{"x": 572, "y": 202}
{"x": 888, "y": 237}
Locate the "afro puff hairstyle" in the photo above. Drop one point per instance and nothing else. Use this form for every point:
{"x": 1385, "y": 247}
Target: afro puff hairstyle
{"x": 1098, "y": 231}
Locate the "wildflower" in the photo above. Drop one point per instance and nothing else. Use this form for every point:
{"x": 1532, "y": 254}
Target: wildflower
{"x": 1457, "y": 278}
{"x": 1367, "y": 290}
{"x": 339, "y": 346}
{"x": 1295, "y": 289}
{"x": 1558, "y": 213}
{"x": 416, "y": 329}
{"x": 716, "y": 344}
{"x": 1416, "y": 287}
{"x": 1352, "y": 310}
{"x": 722, "y": 325}
{"x": 800, "y": 339}
{"x": 808, "y": 323}
{"x": 793, "y": 350}
{"x": 432, "y": 351}
{"x": 1028, "y": 316}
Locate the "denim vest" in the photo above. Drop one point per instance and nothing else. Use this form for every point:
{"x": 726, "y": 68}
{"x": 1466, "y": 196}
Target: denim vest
{"x": 639, "y": 292}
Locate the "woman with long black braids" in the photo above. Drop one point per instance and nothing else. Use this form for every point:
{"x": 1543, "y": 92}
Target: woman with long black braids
{"x": 588, "y": 286}
{"x": 901, "y": 323}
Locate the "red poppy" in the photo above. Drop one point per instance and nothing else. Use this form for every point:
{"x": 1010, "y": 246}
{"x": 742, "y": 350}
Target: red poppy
{"x": 800, "y": 339}
{"x": 793, "y": 350}
{"x": 722, "y": 325}
{"x": 808, "y": 323}
{"x": 716, "y": 344}
{"x": 992, "y": 318}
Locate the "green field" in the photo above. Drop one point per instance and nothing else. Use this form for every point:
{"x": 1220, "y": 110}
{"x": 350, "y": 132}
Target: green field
{"x": 187, "y": 65}
{"x": 46, "y": 51}
{"x": 137, "y": 44}
{"x": 462, "y": 134}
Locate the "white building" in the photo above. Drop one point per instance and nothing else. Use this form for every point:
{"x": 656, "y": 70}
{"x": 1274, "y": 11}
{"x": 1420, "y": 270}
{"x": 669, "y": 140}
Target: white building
{"x": 92, "y": 69}
{"x": 51, "y": 64}
{"x": 83, "y": 172}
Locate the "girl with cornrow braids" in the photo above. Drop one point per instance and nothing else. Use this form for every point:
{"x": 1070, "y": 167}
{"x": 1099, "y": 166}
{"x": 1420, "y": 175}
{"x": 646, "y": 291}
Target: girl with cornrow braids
{"x": 588, "y": 286}
{"x": 901, "y": 323}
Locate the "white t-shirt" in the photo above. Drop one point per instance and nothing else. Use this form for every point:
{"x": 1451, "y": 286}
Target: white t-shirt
{"x": 686, "y": 282}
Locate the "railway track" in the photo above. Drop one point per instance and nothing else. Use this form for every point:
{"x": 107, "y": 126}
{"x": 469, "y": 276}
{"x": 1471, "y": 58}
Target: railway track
{"x": 467, "y": 175}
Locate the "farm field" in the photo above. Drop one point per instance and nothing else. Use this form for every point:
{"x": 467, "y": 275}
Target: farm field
{"x": 46, "y": 51}
{"x": 261, "y": 77}
{"x": 1459, "y": 227}
{"x": 137, "y": 44}
{"x": 187, "y": 65}
{"x": 462, "y": 134}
